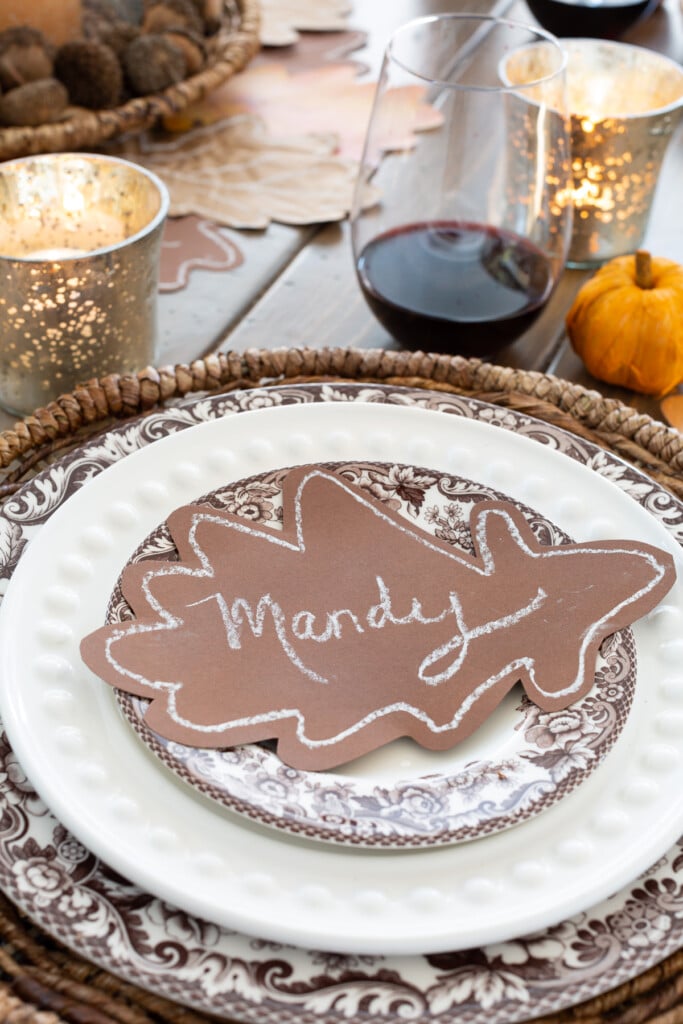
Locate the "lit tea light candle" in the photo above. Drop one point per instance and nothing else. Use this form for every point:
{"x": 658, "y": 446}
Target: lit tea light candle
{"x": 80, "y": 239}
{"x": 626, "y": 102}
{"x": 54, "y": 254}
{"x": 58, "y": 20}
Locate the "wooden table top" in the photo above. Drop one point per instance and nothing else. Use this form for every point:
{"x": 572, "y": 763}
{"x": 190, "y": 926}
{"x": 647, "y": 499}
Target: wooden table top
{"x": 314, "y": 299}
{"x": 297, "y": 286}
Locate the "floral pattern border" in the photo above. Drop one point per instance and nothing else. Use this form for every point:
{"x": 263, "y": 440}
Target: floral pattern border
{"x": 77, "y": 899}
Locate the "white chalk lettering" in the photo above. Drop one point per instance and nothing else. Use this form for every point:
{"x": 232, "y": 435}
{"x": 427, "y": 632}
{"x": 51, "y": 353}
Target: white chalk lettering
{"x": 462, "y": 639}
{"x": 379, "y": 614}
{"x": 233, "y": 621}
{"x": 333, "y": 626}
{"x": 302, "y": 626}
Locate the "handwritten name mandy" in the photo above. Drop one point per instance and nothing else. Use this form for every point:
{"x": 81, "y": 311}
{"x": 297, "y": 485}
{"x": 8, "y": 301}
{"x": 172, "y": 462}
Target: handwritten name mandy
{"x": 305, "y": 625}
{"x": 351, "y": 626}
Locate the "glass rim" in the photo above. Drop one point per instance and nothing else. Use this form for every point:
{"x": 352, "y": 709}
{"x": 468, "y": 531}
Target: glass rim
{"x": 541, "y": 35}
{"x": 10, "y": 167}
{"x": 654, "y": 57}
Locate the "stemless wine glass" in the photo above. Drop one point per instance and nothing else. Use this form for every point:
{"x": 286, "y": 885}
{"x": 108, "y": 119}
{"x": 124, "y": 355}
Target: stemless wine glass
{"x": 460, "y": 234}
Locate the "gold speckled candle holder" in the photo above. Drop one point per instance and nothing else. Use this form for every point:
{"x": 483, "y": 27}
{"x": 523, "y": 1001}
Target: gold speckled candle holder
{"x": 80, "y": 238}
{"x": 625, "y": 103}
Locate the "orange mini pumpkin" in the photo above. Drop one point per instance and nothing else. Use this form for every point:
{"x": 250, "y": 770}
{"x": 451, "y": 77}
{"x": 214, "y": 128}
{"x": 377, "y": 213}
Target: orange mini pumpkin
{"x": 626, "y": 323}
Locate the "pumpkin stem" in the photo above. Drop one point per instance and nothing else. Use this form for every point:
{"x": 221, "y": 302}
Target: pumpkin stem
{"x": 644, "y": 269}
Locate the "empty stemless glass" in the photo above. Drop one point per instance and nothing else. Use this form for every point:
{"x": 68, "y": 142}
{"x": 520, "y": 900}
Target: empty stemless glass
{"x": 460, "y": 237}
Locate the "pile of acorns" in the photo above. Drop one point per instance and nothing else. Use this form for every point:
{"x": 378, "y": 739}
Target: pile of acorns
{"x": 129, "y": 48}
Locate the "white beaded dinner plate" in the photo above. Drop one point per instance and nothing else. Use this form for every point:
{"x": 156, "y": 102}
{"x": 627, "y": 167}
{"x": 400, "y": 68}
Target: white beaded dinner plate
{"x": 101, "y": 782}
{"x": 95, "y": 912}
{"x": 401, "y": 796}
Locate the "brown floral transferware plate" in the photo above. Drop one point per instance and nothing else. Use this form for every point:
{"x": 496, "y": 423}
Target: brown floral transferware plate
{"x": 74, "y": 896}
{"x": 519, "y": 763}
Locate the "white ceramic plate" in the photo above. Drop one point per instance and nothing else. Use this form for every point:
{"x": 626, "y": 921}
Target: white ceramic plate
{"x": 109, "y": 791}
{"x": 520, "y": 764}
{"x": 75, "y": 897}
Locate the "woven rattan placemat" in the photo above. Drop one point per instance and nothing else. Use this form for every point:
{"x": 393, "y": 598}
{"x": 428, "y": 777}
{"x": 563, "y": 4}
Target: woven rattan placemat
{"x": 41, "y": 982}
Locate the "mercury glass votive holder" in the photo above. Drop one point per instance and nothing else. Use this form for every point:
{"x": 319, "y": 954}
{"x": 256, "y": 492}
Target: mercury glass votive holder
{"x": 625, "y": 103}
{"x": 80, "y": 242}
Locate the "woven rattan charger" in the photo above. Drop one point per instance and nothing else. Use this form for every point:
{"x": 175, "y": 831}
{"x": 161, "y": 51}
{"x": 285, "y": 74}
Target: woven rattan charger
{"x": 41, "y": 982}
{"x": 228, "y": 51}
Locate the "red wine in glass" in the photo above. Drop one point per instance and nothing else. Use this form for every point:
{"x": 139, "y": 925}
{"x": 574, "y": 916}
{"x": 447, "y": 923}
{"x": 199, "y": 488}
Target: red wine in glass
{"x": 454, "y": 286}
{"x": 460, "y": 232}
{"x": 600, "y": 19}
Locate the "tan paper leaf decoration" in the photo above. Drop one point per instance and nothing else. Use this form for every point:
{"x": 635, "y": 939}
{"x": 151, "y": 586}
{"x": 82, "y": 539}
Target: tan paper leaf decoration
{"x": 235, "y": 173}
{"x": 314, "y": 49}
{"x": 318, "y": 100}
{"x": 282, "y": 20}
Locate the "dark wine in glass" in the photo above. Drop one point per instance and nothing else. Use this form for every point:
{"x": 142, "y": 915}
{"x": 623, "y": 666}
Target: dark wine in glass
{"x": 460, "y": 235}
{"x": 481, "y": 285}
{"x": 599, "y": 19}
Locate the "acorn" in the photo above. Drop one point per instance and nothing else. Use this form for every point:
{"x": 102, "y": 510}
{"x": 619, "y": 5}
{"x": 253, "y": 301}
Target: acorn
{"x": 192, "y": 47}
{"x": 152, "y": 63}
{"x": 91, "y": 72}
{"x": 211, "y": 12}
{"x": 25, "y": 55}
{"x": 129, "y": 10}
{"x": 114, "y": 11}
{"x": 34, "y": 103}
{"x": 166, "y": 15}
{"x": 119, "y": 36}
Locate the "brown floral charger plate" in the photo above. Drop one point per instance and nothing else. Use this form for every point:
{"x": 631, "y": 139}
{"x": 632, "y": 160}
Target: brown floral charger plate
{"x": 517, "y": 764}
{"x": 73, "y": 895}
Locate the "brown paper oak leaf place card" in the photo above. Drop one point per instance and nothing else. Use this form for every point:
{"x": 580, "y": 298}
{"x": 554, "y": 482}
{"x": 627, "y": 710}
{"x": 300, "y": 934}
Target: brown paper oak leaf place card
{"x": 350, "y": 626}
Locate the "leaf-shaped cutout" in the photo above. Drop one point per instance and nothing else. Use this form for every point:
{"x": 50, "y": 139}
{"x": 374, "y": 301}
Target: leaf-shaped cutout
{"x": 282, "y": 20}
{"x": 351, "y": 626}
{"x": 235, "y": 173}
{"x": 315, "y": 102}
{"x": 192, "y": 243}
{"x": 313, "y": 49}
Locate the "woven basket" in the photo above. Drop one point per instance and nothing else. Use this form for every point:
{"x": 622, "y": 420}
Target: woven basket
{"x": 229, "y": 50}
{"x": 41, "y": 982}
{"x": 607, "y": 422}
